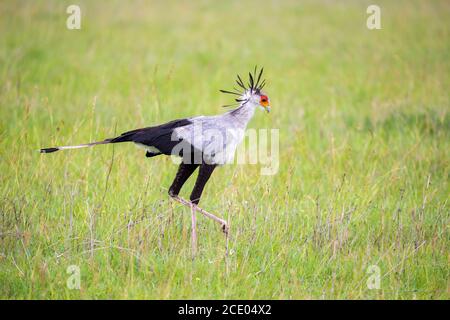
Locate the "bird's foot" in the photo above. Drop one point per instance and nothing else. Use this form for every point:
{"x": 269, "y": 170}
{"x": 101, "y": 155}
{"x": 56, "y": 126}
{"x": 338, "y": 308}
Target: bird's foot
{"x": 225, "y": 228}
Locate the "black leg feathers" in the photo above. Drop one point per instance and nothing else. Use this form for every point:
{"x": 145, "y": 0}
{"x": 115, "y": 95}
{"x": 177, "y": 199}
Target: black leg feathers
{"x": 204, "y": 174}
{"x": 184, "y": 172}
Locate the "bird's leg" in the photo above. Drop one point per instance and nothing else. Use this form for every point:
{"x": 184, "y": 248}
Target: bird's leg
{"x": 185, "y": 170}
{"x": 194, "y": 232}
{"x": 204, "y": 174}
{"x": 222, "y": 222}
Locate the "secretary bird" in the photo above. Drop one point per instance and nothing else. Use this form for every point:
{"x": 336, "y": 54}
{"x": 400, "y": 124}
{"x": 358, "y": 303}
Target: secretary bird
{"x": 203, "y": 141}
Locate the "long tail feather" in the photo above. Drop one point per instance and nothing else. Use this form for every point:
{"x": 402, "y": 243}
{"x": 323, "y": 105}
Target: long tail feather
{"x": 85, "y": 145}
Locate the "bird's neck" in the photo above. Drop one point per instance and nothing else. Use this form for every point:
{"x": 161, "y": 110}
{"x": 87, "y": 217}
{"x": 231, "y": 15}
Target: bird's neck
{"x": 244, "y": 113}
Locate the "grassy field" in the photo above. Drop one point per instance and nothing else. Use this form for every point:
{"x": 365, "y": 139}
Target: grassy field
{"x": 364, "y": 150}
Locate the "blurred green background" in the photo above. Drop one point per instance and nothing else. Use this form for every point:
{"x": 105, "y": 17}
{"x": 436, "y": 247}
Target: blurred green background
{"x": 364, "y": 138}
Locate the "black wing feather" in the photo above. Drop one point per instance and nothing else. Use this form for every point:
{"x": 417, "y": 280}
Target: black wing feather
{"x": 159, "y": 137}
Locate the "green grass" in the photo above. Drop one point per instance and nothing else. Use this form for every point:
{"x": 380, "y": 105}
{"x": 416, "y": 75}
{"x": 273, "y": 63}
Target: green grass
{"x": 364, "y": 150}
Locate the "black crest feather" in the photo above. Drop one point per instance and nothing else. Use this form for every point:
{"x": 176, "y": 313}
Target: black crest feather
{"x": 255, "y": 83}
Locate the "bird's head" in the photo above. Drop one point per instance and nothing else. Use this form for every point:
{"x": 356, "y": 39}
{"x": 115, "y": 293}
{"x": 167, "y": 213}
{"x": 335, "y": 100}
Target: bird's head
{"x": 252, "y": 93}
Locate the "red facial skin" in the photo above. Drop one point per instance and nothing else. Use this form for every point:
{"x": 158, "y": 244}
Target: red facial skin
{"x": 264, "y": 100}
